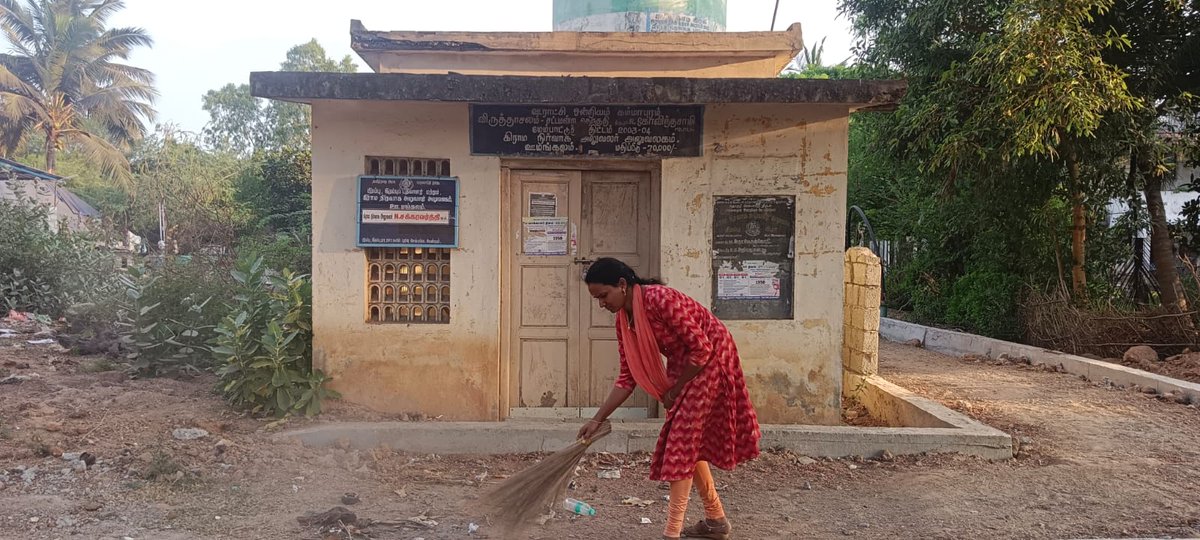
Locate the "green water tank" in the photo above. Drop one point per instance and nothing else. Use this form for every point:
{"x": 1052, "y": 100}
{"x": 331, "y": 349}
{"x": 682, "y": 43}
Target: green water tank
{"x": 639, "y": 15}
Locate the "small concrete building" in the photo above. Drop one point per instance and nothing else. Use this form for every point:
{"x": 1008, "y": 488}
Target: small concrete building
{"x": 460, "y": 191}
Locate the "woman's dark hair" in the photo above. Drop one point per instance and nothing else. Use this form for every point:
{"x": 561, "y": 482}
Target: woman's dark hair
{"x": 610, "y": 271}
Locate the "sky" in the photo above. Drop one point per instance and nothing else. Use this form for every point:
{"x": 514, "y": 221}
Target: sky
{"x": 200, "y": 46}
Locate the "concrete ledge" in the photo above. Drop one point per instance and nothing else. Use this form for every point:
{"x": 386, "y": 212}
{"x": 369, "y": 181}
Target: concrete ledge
{"x": 900, "y": 331}
{"x": 896, "y": 406}
{"x": 958, "y": 343}
{"x": 516, "y": 437}
{"x": 934, "y": 427}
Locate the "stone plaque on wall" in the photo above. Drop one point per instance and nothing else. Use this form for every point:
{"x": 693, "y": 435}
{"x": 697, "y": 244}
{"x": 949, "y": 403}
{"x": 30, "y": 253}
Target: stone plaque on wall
{"x": 753, "y": 257}
{"x": 587, "y": 130}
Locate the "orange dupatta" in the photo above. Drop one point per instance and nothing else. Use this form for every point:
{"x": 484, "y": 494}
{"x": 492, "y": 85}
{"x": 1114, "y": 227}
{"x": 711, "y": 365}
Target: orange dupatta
{"x": 641, "y": 350}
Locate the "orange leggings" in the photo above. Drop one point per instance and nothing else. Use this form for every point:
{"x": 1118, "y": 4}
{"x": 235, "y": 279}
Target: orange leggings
{"x": 681, "y": 490}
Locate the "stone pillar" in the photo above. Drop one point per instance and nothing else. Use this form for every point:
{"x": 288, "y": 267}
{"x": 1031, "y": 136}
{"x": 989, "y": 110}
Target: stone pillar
{"x": 860, "y": 342}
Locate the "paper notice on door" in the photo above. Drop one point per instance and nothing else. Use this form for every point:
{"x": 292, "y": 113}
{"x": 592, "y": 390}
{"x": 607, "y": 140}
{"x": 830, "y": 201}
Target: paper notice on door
{"x": 545, "y": 235}
{"x": 754, "y": 280}
{"x": 543, "y": 204}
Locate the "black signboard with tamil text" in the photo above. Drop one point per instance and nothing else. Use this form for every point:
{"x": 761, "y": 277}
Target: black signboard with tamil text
{"x": 753, "y": 256}
{"x": 407, "y": 211}
{"x": 587, "y": 130}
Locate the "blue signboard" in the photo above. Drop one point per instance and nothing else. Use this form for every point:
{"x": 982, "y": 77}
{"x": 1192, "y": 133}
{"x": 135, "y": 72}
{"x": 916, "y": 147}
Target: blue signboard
{"x": 407, "y": 211}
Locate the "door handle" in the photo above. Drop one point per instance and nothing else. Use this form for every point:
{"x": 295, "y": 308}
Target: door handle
{"x": 584, "y": 261}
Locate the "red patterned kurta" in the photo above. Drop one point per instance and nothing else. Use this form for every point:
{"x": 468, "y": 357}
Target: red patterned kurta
{"x": 712, "y": 419}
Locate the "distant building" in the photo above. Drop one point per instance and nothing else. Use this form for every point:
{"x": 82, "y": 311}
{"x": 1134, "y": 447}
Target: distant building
{"x": 1178, "y": 189}
{"x": 22, "y": 182}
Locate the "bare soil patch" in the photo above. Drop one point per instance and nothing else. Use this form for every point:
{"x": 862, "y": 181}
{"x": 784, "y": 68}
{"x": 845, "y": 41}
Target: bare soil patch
{"x": 1184, "y": 366}
{"x": 1095, "y": 461}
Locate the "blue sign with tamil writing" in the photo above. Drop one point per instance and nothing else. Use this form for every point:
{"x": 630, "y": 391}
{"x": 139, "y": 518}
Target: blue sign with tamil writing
{"x": 407, "y": 211}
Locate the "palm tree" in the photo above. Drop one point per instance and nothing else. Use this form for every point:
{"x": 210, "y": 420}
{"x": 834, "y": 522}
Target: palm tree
{"x": 62, "y": 78}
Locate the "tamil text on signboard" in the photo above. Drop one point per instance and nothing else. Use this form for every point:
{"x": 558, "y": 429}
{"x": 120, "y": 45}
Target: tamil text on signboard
{"x": 591, "y": 130}
{"x": 407, "y": 211}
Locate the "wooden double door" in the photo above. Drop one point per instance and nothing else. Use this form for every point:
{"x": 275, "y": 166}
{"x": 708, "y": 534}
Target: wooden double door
{"x": 562, "y": 350}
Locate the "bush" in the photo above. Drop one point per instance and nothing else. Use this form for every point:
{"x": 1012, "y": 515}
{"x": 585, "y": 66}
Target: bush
{"x": 291, "y": 249}
{"x": 275, "y": 196}
{"x": 178, "y": 278}
{"x": 264, "y": 344}
{"x": 44, "y": 271}
{"x": 169, "y": 316}
{"x": 985, "y": 302}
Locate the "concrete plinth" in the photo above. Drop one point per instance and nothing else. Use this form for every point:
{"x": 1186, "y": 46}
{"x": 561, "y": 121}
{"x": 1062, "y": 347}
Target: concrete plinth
{"x": 941, "y": 431}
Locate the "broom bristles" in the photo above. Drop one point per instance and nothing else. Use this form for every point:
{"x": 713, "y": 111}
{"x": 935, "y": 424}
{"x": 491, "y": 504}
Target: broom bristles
{"x": 529, "y": 493}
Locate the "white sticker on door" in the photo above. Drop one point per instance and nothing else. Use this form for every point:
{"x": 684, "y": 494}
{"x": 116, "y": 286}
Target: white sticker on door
{"x": 545, "y": 235}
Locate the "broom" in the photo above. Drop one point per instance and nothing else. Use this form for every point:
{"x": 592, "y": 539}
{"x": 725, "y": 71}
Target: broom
{"x": 526, "y": 495}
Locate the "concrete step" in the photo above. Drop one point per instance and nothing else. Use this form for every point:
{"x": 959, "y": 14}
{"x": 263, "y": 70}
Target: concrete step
{"x": 517, "y": 437}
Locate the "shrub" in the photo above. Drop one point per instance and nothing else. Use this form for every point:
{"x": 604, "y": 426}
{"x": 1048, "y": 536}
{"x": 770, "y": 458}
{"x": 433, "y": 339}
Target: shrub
{"x": 291, "y": 249}
{"x": 264, "y": 344}
{"x": 985, "y": 302}
{"x": 169, "y": 317}
{"x": 45, "y": 271}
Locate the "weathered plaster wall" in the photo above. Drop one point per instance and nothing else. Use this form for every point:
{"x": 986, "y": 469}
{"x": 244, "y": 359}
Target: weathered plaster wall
{"x": 793, "y": 367}
{"x": 448, "y": 370}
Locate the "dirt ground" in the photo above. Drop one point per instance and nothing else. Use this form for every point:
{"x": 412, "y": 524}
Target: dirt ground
{"x": 1184, "y": 366}
{"x": 1095, "y": 462}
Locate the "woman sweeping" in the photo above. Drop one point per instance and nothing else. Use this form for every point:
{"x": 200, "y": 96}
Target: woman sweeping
{"x": 709, "y": 416}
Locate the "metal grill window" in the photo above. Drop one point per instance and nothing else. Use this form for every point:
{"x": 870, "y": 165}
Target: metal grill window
{"x": 408, "y": 285}
{"x": 404, "y": 166}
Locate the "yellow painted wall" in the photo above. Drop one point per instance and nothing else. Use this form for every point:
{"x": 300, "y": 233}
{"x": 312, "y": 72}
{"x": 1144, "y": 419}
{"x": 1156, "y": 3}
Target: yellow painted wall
{"x": 793, "y": 367}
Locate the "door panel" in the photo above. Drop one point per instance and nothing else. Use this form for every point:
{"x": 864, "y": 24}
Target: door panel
{"x": 543, "y": 373}
{"x": 545, "y": 304}
{"x": 544, "y": 299}
{"x": 611, "y": 215}
{"x": 605, "y": 366}
{"x": 616, "y": 213}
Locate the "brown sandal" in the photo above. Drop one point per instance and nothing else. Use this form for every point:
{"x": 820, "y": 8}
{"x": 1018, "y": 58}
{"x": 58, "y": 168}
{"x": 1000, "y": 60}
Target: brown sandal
{"x": 706, "y": 529}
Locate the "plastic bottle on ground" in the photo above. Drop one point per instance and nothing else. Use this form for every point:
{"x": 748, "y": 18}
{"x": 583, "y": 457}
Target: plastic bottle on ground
{"x": 578, "y": 507}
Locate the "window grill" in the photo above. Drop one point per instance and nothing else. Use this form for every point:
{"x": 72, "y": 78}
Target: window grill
{"x": 408, "y": 285}
{"x": 404, "y": 166}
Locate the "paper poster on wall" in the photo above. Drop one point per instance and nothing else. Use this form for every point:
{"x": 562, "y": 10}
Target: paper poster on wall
{"x": 545, "y": 235}
{"x": 543, "y": 204}
{"x": 754, "y": 280}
